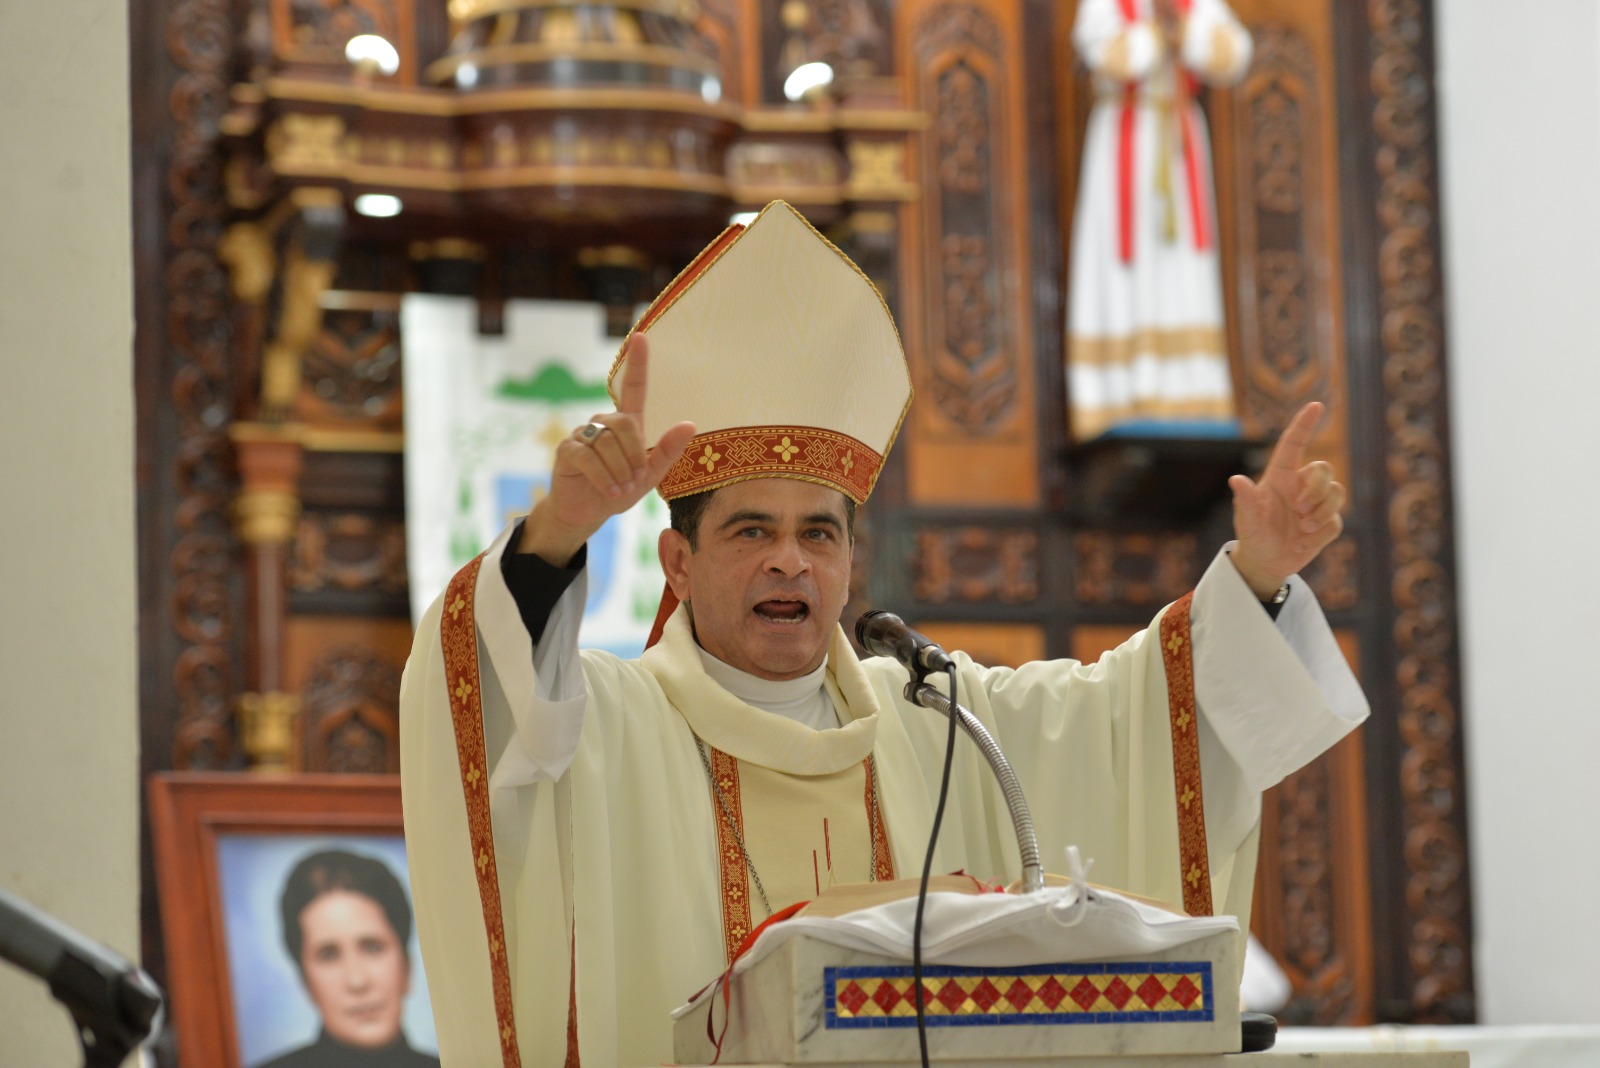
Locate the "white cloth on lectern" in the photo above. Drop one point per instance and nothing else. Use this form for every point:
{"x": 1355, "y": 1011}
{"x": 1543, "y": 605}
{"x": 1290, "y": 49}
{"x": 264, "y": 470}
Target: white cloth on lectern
{"x": 994, "y": 930}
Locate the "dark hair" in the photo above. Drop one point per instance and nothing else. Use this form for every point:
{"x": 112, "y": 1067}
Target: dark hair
{"x": 335, "y": 869}
{"x": 686, "y": 513}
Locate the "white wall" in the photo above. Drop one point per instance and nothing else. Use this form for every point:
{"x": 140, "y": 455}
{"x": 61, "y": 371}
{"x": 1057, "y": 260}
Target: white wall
{"x": 1520, "y": 143}
{"x": 68, "y": 661}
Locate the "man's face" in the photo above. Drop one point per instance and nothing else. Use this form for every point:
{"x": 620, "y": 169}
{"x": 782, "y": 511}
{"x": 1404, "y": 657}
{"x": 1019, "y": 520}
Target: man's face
{"x": 355, "y": 968}
{"x": 768, "y": 577}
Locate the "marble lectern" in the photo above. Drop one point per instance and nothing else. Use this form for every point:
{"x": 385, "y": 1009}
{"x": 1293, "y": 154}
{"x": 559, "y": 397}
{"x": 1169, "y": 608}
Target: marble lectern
{"x": 1068, "y": 972}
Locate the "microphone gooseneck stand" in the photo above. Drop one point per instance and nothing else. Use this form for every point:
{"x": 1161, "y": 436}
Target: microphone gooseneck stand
{"x": 921, "y": 693}
{"x": 886, "y": 634}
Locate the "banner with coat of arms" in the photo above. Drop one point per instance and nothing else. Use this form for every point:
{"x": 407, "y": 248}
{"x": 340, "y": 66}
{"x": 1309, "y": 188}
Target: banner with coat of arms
{"x": 483, "y": 416}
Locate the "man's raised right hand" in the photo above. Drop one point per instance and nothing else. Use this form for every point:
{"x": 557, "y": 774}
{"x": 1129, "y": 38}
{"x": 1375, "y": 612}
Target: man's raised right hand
{"x": 600, "y": 473}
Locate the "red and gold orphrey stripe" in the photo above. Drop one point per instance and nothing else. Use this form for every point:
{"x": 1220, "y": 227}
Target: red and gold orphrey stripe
{"x": 884, "y": 872}
{"x": 737, "y": 921}
{"x": 1177, "y": 656}
{"x": 736, "y": 918}
{"x": 721, "y": 456}
{"x": 459, "y": 635}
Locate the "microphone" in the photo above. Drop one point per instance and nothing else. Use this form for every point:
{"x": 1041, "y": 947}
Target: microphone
{"x": 105, "y": 993}
{"x": 886, "y": 634}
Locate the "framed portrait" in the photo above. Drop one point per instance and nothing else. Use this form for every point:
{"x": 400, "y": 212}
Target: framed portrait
{"x": 286, "y": 915}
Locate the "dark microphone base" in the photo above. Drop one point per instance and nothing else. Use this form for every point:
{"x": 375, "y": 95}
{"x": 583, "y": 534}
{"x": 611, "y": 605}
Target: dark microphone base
{"x": 114, "y": 1004}
{"x": 1258, "y": 1030}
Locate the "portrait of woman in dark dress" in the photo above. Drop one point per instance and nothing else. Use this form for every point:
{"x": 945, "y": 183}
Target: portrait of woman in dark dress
{"x": 347, "y": 927}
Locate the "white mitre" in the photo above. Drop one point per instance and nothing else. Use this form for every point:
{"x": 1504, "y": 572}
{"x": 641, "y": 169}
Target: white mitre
{"x": 784, "y": 356}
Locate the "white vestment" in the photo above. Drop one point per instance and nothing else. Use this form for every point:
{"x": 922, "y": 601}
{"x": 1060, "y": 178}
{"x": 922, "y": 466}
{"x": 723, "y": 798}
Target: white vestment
{"x": 1145, "y": 337}
{"x": 604, "y": 827}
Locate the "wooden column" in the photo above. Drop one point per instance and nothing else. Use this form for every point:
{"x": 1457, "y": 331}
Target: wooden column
{"x": 265, "y": 514}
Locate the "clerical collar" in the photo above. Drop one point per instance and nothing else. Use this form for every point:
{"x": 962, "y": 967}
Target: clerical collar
{"x": 784, "y": 696}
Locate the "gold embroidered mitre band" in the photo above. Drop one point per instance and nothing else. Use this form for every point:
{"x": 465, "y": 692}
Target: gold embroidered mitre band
{"x": 783, "y": 355}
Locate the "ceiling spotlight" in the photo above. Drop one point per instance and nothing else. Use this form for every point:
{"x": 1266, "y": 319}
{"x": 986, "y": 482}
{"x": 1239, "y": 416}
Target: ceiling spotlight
{"x": 369, "y": 48}
{"x": 378, "y": 205}
{"x": 805, "y": 78}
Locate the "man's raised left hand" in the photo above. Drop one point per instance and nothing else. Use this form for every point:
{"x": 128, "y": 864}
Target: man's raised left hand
{"x": 1288, "y": 516}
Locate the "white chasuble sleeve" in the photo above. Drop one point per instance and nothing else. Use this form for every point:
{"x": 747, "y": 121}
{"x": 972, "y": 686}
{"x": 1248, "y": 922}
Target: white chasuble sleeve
{"x": 1275, "y": 695}
{"x": 533, "y": 878}
{"x": 545, "y": 704}
{"x": 528, "y": 845}
{"x": 449, "y": 917}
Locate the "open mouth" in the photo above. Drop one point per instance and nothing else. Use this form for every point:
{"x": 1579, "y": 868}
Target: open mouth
{"x": 781, "y": 611}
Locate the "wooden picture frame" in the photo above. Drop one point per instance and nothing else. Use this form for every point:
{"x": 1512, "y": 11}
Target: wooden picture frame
{"x": 202, "y": 825}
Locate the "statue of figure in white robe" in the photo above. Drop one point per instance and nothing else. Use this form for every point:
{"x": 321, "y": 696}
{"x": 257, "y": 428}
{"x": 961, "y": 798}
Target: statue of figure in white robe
{"x": 1145, "y": 337}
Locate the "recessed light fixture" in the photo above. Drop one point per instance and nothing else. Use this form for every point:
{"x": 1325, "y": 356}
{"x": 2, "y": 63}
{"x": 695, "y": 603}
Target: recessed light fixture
{"x": 378, "y": 205}
{"x": 806, "y": 77}
{"x": 370, "y": 48}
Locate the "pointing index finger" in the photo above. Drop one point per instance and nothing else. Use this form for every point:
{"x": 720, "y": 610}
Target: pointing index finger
{"x": 635, "y": 376}
{"x": 1290, "y": 451}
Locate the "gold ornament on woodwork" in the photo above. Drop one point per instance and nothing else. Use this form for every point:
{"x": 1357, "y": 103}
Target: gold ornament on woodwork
{"x": 266, "y": 723}
{"x": 266, "y": 516}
